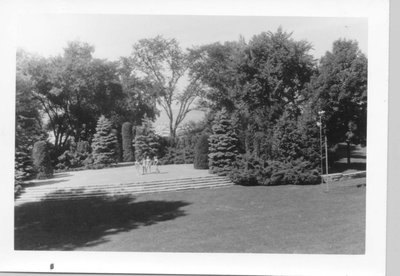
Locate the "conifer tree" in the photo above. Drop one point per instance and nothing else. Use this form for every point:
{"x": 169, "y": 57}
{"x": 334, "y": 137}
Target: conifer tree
{"x": 201, "y": 153}
{"x": 127, "y": 142}
{"x": 146, "y": 141}
{"x": 104, "y": 142}
{"x": 223, "y": 145}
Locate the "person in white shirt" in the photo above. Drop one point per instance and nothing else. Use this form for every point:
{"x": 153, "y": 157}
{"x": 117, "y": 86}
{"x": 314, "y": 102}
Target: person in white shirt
{"x": 155, "y": 163}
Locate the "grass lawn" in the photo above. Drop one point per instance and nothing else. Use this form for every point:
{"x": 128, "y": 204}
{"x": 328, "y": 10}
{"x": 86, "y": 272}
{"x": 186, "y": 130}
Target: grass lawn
{"x": 282, "y": 219}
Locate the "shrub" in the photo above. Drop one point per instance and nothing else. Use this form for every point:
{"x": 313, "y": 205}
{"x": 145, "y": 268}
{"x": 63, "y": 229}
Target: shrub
{"x": 201, "y": 153}
{"x": 295, "y": 138}
{"x": 23, "y": 165}
{"x": 127, "y": 142}
{"x": 104, "y": 143}
{"x": 41, "y": 160}
{"x": 74, "y": 157}
{"x": 249, "y": 170}
{"x": 223, "y": 145}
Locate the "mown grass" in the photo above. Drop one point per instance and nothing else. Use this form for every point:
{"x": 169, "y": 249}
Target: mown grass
{"x": 282, "y": 219}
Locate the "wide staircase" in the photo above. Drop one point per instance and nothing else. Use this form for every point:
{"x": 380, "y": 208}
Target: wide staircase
{"x": 49, "y": 192}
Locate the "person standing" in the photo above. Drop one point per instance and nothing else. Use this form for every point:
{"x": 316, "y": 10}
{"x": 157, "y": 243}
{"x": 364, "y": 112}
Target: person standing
{"x": 155, "y": 163}
{"x": 144, "y": 166}
{"x": 137, "y": 166}
{"x": 148, "y": 164}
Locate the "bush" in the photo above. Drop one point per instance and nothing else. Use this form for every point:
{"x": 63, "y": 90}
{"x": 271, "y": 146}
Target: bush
{"x": 105, "y": 143}
{"x": 249, "y": 170}
{"x": 201, "y": 153}
{"x": 41, "y": 160}
{"x": 295, "y": 138}
{"x": 74, "y": 157}
{"x": 23, "y": 166}
{"x": 127, "y": 138}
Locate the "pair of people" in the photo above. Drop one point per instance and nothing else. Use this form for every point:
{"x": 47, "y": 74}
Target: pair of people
{"x": 146, "y": 165}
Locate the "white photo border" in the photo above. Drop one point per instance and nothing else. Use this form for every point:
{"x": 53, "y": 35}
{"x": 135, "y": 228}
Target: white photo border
{"x": 372, "y": 263}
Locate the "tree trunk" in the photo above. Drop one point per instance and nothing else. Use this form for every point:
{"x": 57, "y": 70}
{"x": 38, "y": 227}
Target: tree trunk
{"x": 348, "y": 150}
{"x": 172, "y": 134}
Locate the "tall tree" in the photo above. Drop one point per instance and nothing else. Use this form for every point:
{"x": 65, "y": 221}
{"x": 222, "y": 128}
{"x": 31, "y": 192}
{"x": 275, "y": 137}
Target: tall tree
{"x": 74, "y": 90}
{"x": 223, "y": 144}
{"x": 164, "y": 63}
{"x": 140, "y": 95}
{"x": 104, "y": 142}
{"x": 146, "y": 142}
{"x": 28, "y": 120}
{"x": 257, "y": 81}
{"x": 341, "y": 91}
{"x": 127, "y": 139}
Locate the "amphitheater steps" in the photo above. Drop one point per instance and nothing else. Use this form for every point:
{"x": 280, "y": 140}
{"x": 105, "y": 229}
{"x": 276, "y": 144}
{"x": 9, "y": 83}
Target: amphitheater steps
{"x": 68, "y": 192}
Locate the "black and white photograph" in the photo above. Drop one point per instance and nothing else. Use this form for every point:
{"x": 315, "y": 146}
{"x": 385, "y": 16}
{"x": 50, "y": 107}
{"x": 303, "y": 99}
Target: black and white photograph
{"x": 198, "y": 135}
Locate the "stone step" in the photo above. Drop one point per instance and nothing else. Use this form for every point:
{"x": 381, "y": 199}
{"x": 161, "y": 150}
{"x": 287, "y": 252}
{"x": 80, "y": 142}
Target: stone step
{"x": 126, "y": 186}
{"x": 147, "y": 183}
{"x": 68, "y": 192}
{"x": 71, "y": 196}
{"x": 135, "y": 187}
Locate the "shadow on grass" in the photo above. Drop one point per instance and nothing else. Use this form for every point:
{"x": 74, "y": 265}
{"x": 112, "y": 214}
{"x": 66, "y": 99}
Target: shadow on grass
{"x": 43, "y": 183}
{"x": 65, "y": 224}
{"x": 37, "y": 184}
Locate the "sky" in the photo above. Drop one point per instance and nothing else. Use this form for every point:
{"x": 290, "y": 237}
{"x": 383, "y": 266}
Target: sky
{"x": 113, "y": 35}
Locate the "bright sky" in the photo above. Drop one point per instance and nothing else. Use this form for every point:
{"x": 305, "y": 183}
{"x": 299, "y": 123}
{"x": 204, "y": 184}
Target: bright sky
{"x": 113, "y": 35}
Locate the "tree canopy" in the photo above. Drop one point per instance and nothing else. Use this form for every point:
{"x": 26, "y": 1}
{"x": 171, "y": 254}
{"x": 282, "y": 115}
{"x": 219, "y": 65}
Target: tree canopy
{"x": 261, "y": 96}
{"x": 75, "y": 89}
{"x": 162, "y": 62}
{"x": 340, "y": 89}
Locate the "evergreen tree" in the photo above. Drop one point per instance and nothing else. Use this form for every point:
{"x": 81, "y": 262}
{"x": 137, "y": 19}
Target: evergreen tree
{"x": 201, "y": 153}
{"x": 104, "y": 143}
{"x": 295, "y": 138}
{"x": 146, "y": 141}
{"x": 127, "y": 142}
{"x": 28, "y": 123}
{"x": 41, "y": 160}
{"x": 223, "y": 144}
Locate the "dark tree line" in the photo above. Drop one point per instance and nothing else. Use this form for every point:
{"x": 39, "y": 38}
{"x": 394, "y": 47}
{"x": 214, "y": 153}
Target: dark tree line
{"x": 273, "y": 89}
{"x": 270, "y": 88}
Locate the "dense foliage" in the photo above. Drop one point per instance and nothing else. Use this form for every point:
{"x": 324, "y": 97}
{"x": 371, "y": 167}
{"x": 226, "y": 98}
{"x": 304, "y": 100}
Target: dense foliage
{"x": 274, "y": 88}
{"x": 41, "y": 160}
{"x": 127, "y": 138}
{"x": 147, "y": 142}
{"x": 249, "y": 170}
{"x": 201, "y": 153}
{"x": 104, "y": 143}
{"x": 262, "y": 99}
{"x": 223, "y": 145}
{"x": 163, "y": 62}
{"x": 78, "y": 155}
{"x": 28, "y": 123}
{"x": 181, "y": 151}
{"x": 340, "y": 89}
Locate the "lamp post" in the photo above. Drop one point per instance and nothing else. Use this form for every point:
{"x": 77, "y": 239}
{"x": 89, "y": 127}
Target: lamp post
{"x": 320, "y": 149}
{"x": 321, "y": 113}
